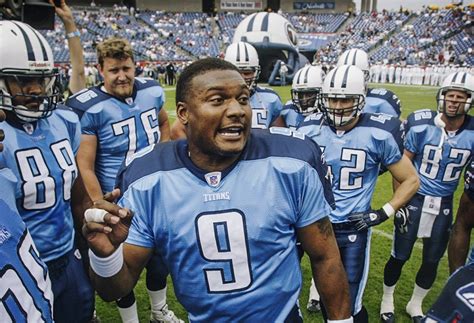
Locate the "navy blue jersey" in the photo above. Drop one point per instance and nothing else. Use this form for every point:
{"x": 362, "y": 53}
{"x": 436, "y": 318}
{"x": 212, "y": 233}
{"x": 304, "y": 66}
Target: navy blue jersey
{"x": 25, "y": 288}
{"x": 382, "y": 101}
{"x": 455, "y": 303}
{"x": 41, "y": 156}
{"x": 439, "y": 168}
{"x": 229, "y": 235}
{"x": 354, "y": 157}
{"x": 293, "y": 119}
{"x": 266, "y": 107}
{"x": 122, "y": 127}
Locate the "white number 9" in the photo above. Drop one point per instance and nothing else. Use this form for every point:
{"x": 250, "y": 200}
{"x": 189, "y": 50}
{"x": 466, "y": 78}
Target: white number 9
{"x": 222, "y": 238}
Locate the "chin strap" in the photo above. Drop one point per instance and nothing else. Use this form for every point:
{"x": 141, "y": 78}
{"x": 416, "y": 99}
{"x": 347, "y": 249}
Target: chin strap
{"x": 441, "y": 125}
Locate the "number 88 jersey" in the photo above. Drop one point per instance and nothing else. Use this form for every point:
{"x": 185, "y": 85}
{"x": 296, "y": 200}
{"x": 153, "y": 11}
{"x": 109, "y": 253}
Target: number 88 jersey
{"x": 42, "y": 158}
{"x": 439, "y": 167}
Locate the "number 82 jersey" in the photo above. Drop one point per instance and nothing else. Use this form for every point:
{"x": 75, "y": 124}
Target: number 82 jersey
{"x": 439, "y": 167}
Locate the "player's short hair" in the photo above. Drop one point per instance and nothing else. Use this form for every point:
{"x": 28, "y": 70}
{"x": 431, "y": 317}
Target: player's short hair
{"x": 117, "y": 48}
{"x": 197, "y": 68}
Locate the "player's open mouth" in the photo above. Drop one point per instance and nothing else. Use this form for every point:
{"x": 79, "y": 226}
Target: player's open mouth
{"x": 231, "y": 132}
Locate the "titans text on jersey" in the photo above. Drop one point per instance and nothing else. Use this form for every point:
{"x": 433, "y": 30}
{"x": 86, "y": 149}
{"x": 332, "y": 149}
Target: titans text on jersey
{"x": 221, "y": 239}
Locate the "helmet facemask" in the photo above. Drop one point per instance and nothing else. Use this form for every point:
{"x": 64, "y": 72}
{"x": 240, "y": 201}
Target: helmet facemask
{"x": 306, "y": 101}
{"x": 343, "y": 116}
{"x": 463, "y": 106}
{"x": 250, "y": 75}
{"x": 29, "y": 107}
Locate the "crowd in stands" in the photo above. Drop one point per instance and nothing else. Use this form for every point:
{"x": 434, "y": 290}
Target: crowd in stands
{"x": 427, "y": 38}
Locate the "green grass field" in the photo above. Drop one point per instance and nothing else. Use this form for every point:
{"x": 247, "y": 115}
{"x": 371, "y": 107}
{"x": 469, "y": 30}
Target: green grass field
{"x": 412, "y": 98}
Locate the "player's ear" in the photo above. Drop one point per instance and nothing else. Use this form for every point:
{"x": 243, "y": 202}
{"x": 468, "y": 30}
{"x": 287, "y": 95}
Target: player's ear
{"x": 182, "y": 112}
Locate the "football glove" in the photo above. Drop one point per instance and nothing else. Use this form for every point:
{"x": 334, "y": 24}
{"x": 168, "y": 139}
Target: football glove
{"x": 402, "y": 219}
{"x": 365, "y": 220}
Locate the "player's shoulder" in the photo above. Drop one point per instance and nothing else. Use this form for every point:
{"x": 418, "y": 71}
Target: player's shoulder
{"x": 150, "y": 160}
{"x": 469, "y": 123}
{"x": 381, "y": 121}
{"x": 420, "y": 117}
{"x": 268, "y": 92}
{"x": 87, "y": 98}
{"x": 281, "y": 142}
{"x": 380, "y": 92}
{"x": 66, "y": 113}
{"x": 143, "y": 83}
{"x": 314, "y": 119}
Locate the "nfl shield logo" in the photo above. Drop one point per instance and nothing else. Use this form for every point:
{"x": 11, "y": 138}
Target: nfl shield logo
{"x": 28, "y": 128}
{"x": 129, "y": 101}
{"x": 352, "y": 237}
{"x": 213, "y": 179}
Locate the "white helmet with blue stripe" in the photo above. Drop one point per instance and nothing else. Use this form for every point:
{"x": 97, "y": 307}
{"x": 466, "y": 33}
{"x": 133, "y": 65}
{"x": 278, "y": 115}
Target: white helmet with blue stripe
{"x": 25, "y": 57}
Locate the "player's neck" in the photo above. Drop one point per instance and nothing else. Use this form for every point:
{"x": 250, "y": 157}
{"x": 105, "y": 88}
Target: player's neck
{"x": 454, "y": 123}
{"x": 210, "y": 163}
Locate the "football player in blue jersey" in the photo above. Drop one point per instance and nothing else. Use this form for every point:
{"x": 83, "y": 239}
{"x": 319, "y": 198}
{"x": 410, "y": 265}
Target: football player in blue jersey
{"x": 266, "y": 104}
{"x": 25, "y": 287}
{"x": 305, "y": 92}
{"x": 222, "y": 228}
{"x": 458, "y": 246}
{"x": 118, "y": 118}
{"x": 378, "y": 100}
{"x": 40, "y": 151}
{"x": 454, "y": 304}
{"x": 355, "y": 146}
{"x": 439, "y": 145}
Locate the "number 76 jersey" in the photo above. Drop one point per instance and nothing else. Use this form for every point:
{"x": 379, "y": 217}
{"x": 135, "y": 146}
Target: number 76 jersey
{"x": 439, "y": 167}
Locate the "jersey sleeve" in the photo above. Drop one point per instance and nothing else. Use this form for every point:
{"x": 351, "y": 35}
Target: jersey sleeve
{"x": 393, "y": 146}
{"x": 317, "y": 198}
{"x": 88, "y": 124}
{"x": 140, "y": 232}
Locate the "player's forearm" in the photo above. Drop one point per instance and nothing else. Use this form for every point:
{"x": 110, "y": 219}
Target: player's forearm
{"x": 112, "y": 288}
{"x": 458, "y": 249}
{"x": 92, "y": 184}
{"x": 331, "y": 281}
{"x": 405, "y": 191}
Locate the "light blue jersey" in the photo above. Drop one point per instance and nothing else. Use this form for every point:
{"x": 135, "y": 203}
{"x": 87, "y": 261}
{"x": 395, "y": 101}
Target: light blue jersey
{"x": 382, "y": 101}
{"x": 122, "y": 127}
{"x": 354, "y": 157}
{"x": 41, "y": 156}
{"x": 25, "y": 288}
{"x": 293, "y": 119}
{"x": 266, "y": 107}
{"x": 439, "y": 169}
{"x": 229, "y": 238}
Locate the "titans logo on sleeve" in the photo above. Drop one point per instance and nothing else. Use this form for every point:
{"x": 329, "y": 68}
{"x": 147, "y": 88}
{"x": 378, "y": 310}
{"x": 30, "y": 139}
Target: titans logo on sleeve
{"x": 232, "y": 240}
{"x": 439, "y": 156}
{"x": 293, "y": 119}
{"x": 25, "y": 288}
{"x": 41, "y": 156}
{"x": 122, "y": 127}
{"x": 266, "y": 107}
{"x": 382, "y": 101}
{"x": 354, "y": 157}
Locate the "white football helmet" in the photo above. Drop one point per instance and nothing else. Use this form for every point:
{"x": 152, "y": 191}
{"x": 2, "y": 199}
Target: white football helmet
{"x": 245, "y": 57}
{"x": 343, "y": 82}
{"x": 461, "y": 81}
{"x": 274, "y": 38}
{"x": 356, "y": 57}
{"x": 25, "y": 58}
{"x": 306, "y": 89}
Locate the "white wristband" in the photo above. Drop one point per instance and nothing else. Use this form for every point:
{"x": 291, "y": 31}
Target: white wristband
{"x": 108, "y": 266}
{"x": 389, "y": 210}
{"x": 349, "y": 320}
